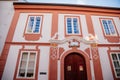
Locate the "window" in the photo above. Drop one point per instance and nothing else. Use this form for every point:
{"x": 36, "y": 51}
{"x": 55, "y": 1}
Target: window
{"x": 34, "y": 24}
{"x": 116, "y": 63}
{"x": 72, "y": 25}
{"x": 108, "y": 27}
{"x": 27, "y": 65}
{"x": 33, "y": 27}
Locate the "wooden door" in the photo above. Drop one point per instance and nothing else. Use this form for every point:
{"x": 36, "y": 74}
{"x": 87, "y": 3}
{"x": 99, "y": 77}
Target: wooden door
{"x": 75, "y": 67}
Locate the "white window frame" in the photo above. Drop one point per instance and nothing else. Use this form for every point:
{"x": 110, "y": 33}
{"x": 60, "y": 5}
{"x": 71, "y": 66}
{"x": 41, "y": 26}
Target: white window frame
{"x": 27, "y": 64}
{"x": 109, "y": 27}
{"x": 34, "y": 25}
{"x": 116, "y": 53}
{"x": 73, "y": 26}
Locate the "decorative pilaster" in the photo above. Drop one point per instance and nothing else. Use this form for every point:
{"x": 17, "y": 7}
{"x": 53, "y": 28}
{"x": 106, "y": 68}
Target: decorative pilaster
{"x": 96, "y": 63}
{"x": 53, "y": 49}
{"x": 53, "y": 63}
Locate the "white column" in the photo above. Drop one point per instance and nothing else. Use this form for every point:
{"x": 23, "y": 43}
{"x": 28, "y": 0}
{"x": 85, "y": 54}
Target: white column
{"x": 58, "y": 70}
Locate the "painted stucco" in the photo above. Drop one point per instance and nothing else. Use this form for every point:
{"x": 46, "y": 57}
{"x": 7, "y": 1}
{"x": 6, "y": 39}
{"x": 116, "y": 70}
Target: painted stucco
{"x": 105, "y": 64}
{"x": 54, "y": 22}
{"x": 98, "y": 28}
{"x": 44, "y": 62}
{"x": 21, "y": 24}
{"x": 10, "y": 66}
{"x": 6, "y": 15}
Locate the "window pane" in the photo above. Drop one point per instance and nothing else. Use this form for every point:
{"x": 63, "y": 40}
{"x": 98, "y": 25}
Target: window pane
{"x": 32, "y": 56}
{"x": 69, "y": 26}
{"x": 119, "y": 56}
{"x": 106, "y": 27}
{"x": 30, "y": 72}
{"x": 24, "y": 60}
{"x": 75, "y": 24}
{"x": 76, "y": 29}
{"x": 118, "y": 70}
{"x": 24, "y": 55}
{"x": 111, "y": 27}
{"x": 74, "y": 19}
{"x": 114, "y": 56}
{"x": 38, "y": 18}
{"x": 68, "y": 19}
{"x": 31, "y": 65}
{"x": 37, "y": 26}
{"x": 31, "y": 61}
{"x": 118, "y": 74}
{"x": 21, "y": 73}
{"x": 116, "y": 64}
{"x": 30, "y": 25}
{"x": 69, "y": 31}
{"x": 23, "y": 64}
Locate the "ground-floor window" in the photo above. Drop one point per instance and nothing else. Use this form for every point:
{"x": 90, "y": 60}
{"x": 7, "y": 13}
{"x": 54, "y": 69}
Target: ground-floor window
{"x": 115, "y": 56}
{"x": 27, "y": 64}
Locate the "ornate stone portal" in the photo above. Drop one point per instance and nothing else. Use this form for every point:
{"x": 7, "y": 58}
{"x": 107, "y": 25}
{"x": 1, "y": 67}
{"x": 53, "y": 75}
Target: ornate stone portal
{"x": 74, "y": 41}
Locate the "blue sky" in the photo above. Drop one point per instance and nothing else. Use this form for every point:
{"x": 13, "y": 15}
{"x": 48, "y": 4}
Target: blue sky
{"x": 111, "y": 3}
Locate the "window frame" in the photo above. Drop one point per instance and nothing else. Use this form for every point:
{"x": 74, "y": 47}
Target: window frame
{"x": 34, "y": 24}
{"x": 33, "y": 36}
{"x": 103, "y": 27}
{"x": 112, "y": 61}
{"x": 78, "y": 23}
{"x": 16, "y": 77}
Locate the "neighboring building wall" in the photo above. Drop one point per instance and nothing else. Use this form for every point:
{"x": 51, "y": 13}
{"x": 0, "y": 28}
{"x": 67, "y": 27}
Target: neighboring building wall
{"x": 6, "y": 15}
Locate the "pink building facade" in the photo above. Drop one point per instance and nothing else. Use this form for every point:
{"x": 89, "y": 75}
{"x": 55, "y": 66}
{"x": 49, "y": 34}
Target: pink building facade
{"x": 62, "y": 42}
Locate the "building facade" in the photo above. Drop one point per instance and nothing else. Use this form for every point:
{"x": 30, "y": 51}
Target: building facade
{"x": 62, "y": 42}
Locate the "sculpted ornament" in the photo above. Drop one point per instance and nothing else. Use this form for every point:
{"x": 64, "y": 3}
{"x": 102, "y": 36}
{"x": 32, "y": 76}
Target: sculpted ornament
{"x": 89, "y": 40}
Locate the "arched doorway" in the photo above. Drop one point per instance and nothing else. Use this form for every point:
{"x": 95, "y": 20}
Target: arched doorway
{"x": 74, "y": 67}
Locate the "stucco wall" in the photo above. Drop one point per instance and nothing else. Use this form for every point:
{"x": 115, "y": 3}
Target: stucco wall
{"x": 105, "y": 64}
{"x": 21, "y": 24}
{"x": 10, "y": 66}
{"x": 6, "y": 14}
{"x": 61, "y": 24}
{"x": 98, "y": 28}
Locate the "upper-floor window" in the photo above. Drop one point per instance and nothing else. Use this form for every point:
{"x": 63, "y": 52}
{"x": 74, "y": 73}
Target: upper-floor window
{"x": 34, "y": 24}
{"x": 27, "y": 64}
{"x": 72, "y": 25}
{"x": 108, "y": 27}
{"x": 115, "y": 56}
